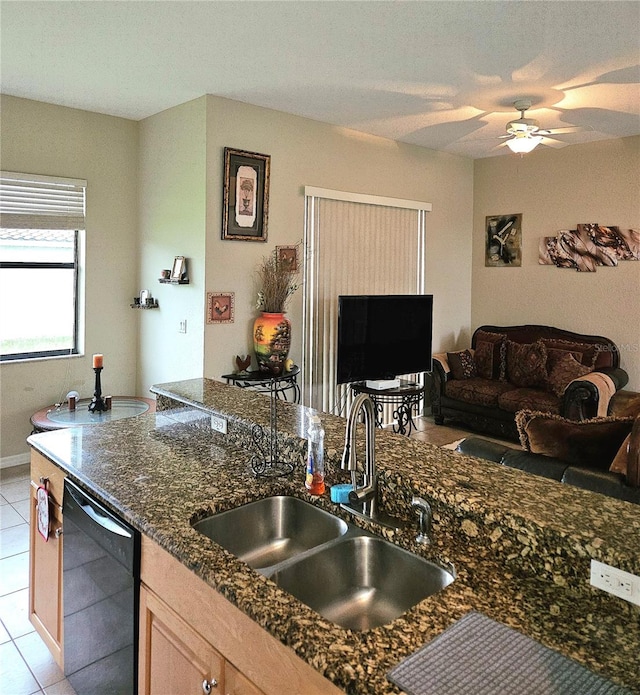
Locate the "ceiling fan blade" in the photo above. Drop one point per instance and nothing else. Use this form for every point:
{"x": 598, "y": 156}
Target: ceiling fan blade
{"x": 551, "y": 142}
{"x": 561, "y": 131}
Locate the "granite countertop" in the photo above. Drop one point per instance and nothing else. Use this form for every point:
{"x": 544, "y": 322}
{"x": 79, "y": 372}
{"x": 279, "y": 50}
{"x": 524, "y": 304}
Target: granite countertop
{"x": 520, "y": 544}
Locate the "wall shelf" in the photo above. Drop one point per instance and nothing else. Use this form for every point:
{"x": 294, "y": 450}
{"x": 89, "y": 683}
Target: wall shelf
{"x": 164, "y": 281}
{"x": 155, "y": 305}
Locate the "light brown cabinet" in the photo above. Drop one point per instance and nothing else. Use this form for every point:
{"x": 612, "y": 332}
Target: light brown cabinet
{"x": 174, "y": 657}
{"x": 45, "y": 558}
{"x": 236, "y": 684}
{"x": 191, "y": 636}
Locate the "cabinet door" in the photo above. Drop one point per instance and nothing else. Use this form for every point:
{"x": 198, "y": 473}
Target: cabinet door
{"x": 45, "y": 562}
{"x": 173, "y": 657}
{"x": 237, "y": 684}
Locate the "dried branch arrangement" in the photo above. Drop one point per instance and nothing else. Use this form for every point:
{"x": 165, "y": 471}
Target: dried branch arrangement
{"x": 277, "y": 282}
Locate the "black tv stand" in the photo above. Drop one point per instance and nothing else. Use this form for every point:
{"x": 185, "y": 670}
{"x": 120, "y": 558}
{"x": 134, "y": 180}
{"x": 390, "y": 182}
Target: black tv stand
{"x": 406, "y": 396}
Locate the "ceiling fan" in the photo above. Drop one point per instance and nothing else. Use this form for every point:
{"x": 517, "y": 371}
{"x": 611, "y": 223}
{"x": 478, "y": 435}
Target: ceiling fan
{"x": 525, "y": 133}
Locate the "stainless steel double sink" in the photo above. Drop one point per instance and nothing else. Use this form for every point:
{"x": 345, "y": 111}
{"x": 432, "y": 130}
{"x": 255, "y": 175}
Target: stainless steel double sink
{"x": 349, "y": 576}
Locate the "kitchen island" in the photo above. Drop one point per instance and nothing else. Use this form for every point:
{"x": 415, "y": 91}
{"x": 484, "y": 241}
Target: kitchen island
{"x": 521, "y": 545}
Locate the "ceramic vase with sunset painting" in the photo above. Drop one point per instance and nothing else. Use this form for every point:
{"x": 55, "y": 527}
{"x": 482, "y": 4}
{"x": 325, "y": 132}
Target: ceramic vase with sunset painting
{"x": 271, "y": 341}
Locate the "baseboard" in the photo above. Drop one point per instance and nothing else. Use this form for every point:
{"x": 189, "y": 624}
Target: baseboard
{"x": 17, "y": 460}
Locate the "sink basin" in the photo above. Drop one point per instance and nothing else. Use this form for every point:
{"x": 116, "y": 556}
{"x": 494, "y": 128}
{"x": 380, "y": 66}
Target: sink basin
{"x": 362, "y": 582}
{"x": 271, "y": 530}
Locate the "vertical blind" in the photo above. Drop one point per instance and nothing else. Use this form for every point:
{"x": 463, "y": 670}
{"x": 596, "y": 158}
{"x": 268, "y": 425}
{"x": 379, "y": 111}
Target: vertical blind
{"x": 352, "y": 248}
{"x": 29, "y": 201}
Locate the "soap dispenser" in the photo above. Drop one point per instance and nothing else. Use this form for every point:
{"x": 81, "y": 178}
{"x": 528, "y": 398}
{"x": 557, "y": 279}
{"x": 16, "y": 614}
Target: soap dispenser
{"x": 314, "y": 480}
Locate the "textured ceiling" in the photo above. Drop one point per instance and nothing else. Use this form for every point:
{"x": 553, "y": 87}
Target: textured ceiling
{"x": 442, "y": 75}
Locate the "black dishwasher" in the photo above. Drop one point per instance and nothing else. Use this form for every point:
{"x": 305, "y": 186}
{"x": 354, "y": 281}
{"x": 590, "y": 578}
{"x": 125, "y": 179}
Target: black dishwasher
{"x": 101, "y": 570}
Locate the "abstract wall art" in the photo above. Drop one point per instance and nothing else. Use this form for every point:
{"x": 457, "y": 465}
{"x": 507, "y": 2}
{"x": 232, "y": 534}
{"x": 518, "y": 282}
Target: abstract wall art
{"x": 589, "y": 246}
{"x": 503, "y": 246}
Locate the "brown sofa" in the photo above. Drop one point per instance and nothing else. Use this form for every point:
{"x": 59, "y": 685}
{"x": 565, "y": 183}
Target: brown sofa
{"x": 601, "y": 455}
{"x": 511, "y": 368}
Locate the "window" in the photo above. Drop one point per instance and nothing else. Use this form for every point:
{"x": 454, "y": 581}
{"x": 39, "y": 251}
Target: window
{"x": 41, "y": 226}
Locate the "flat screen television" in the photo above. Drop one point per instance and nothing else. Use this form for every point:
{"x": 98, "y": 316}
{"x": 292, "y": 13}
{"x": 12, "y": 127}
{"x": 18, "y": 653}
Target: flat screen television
{"x": 383, "y": 336}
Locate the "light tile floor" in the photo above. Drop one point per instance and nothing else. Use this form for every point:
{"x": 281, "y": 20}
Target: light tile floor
{"x": 26, "y": 666}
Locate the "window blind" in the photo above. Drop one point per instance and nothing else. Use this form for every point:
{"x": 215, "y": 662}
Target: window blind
{"x": 29, "y": 201}
{"x": 352, "y": 248}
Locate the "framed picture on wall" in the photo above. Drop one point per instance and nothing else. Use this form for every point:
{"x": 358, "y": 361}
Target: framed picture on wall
{"x": 503, "y": 241}
{"x": 288, "y": 258}
{"x": 220, "y": 306}
{"x": 245, "y": 207}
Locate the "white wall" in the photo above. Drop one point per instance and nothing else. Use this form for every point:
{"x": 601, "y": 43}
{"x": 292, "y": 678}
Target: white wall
{"x": 557, "y": 189}
{"x": 305, "y": 152}
{"x": 52, "y": 140}
{"x": 172, "y": 183}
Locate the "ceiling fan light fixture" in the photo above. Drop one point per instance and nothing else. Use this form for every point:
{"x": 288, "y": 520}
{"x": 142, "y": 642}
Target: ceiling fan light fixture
{"x": 528, "y": 126}
{"x": 524, "y": 145}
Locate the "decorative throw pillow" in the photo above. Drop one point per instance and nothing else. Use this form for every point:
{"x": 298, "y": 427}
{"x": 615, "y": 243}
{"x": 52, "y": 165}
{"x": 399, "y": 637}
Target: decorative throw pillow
{"x": 526, "y": 363}
{"x": 490, "y": 354}
{"x": 585, "y": 353}
{"x": 588, "y": 443}
{"x": 554, "y": 354}
{"x": 461, "y": 364}
{"x": 562, "y": 370}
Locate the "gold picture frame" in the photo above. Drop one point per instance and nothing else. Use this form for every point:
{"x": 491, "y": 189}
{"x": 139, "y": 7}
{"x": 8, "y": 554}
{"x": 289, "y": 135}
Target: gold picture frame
{"x": 220, "y": 307}
{"x": 288, "y": 258}
{"x": 245, "y": 208}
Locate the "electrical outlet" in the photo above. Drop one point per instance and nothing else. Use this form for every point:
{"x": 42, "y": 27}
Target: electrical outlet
{"x": 219, "y": 424}
{"x": 182, "y": 328}
{"x": 615, "y": 581}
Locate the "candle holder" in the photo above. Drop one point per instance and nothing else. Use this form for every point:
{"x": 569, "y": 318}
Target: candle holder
{"x": 97, "y": 404}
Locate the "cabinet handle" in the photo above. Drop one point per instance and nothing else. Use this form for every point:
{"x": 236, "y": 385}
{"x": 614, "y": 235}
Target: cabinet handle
{"x": 207, "y": 685}
{"x": 58, "y": 532}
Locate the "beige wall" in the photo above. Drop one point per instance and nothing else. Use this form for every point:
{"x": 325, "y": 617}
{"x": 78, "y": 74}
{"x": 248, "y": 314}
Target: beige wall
{"x": 305, "y": 152}
{"x": 556, "y": 189}
{"x": 52, "y": 140}
{"x": 155, "y": 191}
{"x": 172, "y": 182}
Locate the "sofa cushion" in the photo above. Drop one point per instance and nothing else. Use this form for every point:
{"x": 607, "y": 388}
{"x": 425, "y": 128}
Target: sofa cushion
{"x": 462, "y": 364}
{"x": 627, "y": 460}
{"x": 590, "y": 443}
{"x": 585, "y": 353}
{"x": 529, "y": 399}
{"x": 563, "y": 368}
{"x": 526, "y": 363}
{"x": 477, "y": 390}
{"x": 490, "y": 354}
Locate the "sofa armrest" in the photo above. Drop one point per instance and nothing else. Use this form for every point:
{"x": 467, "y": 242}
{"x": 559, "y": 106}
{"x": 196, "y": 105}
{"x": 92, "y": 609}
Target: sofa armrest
{"x": 610, "y": 484}
{"x": 618, "y": 375}
{"x": 590, "y": 395}
{"x": 440, "y": 373}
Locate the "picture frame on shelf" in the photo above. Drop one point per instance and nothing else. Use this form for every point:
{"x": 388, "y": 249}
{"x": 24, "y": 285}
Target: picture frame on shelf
{"x": 179, "y": 269}
{"x": 220, "y": 307}
{"x": 288, "y": 258}
{"x": 245, "y": 208}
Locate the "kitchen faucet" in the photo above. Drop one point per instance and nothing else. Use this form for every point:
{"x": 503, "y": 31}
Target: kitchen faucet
{"x": 365, "y": 496}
